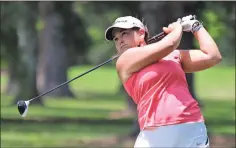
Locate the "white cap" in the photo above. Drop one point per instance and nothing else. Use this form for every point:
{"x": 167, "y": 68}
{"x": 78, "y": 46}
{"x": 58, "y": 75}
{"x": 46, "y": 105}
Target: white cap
{"x": 126, "y": 22}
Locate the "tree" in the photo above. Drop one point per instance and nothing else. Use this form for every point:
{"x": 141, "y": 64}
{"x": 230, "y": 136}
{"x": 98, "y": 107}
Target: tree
{"x": 53, "y": 59}
{"x": 27, "y": 45}
{"x": 74, "y": 32}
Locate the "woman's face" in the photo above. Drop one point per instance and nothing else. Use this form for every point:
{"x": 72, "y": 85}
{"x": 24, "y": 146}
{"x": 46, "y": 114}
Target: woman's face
{"x": 127, "y": 38}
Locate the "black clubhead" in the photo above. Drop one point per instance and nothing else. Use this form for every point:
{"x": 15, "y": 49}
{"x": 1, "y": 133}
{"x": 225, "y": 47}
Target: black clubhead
{"x": 22, "y": 107}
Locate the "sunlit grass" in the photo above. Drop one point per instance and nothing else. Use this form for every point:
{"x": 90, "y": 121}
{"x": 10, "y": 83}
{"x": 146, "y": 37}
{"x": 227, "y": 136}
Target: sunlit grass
{"x": 216, "y": 83}
{"x": 103, "y": 80}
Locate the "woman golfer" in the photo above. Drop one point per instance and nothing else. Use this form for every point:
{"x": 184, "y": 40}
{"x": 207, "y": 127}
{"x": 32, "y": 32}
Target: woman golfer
{"x": 154, "y": 76}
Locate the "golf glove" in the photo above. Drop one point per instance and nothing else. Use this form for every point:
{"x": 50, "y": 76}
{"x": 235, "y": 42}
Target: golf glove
{"x": 190, "y": 23}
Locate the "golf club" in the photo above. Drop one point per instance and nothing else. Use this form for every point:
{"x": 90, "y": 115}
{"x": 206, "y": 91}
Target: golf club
{"x": 24, "y": 105}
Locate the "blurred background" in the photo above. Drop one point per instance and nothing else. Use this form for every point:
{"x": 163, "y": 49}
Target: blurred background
{"x": 44, "y": 44}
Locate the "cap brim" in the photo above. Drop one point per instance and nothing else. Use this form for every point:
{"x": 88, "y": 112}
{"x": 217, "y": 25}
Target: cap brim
{"x": 108, "y": 32}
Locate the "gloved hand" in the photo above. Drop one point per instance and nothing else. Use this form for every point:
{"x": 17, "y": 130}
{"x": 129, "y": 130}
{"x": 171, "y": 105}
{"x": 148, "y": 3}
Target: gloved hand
{"x": 190, "y": 23}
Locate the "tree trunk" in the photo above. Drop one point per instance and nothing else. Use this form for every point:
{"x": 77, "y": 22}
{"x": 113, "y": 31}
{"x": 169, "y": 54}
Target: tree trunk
{"x": 187, "y": 43}
{"x": 12, "y": 85}
{"x": 154, "y": 15}
{"x": 27, "y": 44}
{"x": 52, "y": 69}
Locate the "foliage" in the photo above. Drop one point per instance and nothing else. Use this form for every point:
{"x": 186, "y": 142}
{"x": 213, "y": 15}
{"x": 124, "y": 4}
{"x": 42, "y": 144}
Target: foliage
{"x": 85, "y": 23}
{"x": 219, "y": 19}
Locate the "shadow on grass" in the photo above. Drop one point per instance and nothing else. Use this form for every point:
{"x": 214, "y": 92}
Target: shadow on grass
{"x": 218, "y": 113}
{"x": 54, "y": 134}
{"x": 62, "y": 115}
{"x": 68, "y": 120}
{"x": 60, "y": 127}
{"x": 225, "y": 122}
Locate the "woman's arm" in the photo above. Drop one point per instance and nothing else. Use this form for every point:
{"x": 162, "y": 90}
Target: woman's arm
{"x": 206, "y": 57}
{"x": 137, "y": 58}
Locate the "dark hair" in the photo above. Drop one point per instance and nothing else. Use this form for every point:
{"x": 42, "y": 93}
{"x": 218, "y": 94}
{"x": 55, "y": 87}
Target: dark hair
{"x": 146, "y": 34}
{"x": 145, "y": 26}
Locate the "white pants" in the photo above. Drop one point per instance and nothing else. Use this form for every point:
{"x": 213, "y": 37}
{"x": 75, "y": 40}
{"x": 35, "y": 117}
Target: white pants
{"x": 187, "y": 135}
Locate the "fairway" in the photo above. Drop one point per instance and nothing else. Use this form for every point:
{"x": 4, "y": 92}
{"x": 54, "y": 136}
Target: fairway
{"x": 74, "y": 122}
{"x": 216, "y": 83}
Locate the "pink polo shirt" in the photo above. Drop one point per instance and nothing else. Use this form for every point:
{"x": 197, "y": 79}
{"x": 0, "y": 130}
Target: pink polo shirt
{"x": 161, "y": 93}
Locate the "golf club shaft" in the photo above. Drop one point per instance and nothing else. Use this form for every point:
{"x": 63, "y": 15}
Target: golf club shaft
{"x": 155, "y": 38}
{"x": 75, "y": 77}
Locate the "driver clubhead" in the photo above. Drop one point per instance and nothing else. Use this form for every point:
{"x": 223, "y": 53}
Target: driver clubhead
{"x": 23, "y": 107}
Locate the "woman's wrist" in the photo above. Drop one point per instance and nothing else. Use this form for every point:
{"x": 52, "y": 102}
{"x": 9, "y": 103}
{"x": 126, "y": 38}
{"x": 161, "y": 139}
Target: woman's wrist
{"x": 197, "y": 27}
{"x": 198, "y": 32}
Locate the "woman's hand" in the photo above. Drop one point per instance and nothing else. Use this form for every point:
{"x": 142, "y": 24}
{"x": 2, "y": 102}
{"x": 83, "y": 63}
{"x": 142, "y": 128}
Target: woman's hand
{"x": 174, "y": 31}
{"x": 172, "y": 27}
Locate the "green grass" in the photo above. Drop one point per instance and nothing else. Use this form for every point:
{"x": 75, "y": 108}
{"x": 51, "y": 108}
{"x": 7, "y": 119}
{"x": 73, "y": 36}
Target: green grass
{"x": 216, "y": 83}
{"x": 59, "y": 134}
{"x": 98, "y": 108}
{"x": 218, "y": 113}
{"x": 103, "y": 80}
{"x": 219, "y": 116}
{"x": 96, "y": 99}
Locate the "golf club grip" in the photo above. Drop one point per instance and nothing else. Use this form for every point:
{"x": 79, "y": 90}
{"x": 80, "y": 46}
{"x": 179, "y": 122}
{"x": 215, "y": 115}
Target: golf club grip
{"x": 156, "y": 38}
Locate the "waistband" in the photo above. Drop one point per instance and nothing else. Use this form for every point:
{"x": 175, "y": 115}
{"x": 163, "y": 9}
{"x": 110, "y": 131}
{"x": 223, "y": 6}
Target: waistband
{"x": 152, "y": 128}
